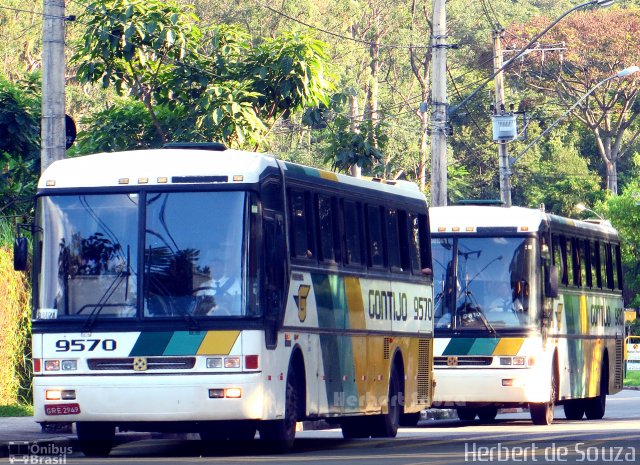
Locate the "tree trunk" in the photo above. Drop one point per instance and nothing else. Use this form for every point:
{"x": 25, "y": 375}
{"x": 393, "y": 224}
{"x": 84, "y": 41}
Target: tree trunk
{"x": 355, "y": 170}
{"x": 612, "y": 177}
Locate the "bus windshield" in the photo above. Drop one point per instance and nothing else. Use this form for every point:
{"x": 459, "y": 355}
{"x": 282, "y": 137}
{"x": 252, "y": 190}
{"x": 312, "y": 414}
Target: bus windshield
{"x": 89, "y": 260}
{"x": 484, "y": 283}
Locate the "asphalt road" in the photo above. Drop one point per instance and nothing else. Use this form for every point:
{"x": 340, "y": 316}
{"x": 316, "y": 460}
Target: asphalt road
{"x": 510, "y": 439}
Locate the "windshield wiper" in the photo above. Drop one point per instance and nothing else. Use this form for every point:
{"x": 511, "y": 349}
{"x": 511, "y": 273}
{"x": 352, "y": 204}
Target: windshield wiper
{"x": 486, "y": 323}
{"x": 111, "y": 289}
{"x": 102, "y": 302}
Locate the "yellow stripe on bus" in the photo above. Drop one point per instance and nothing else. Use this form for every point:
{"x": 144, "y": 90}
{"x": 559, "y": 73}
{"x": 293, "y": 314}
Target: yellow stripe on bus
{"x": 328, "y": 175}
{"x": 218, "y": 342}
{"x": 358, "y": 343}
{"x": 508, "y": 346}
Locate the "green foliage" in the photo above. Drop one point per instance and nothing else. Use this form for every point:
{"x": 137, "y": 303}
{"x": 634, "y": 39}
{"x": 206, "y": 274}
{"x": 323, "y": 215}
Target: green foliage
{"x": 348, "y": 148}
{"x": 19, "y": 146}
{"x": 624, "y": 213}
{"x": 16, "y": 410}
{"x": 15, "y": 355}
{"x": 632, "y": 378}
{"x": 554, "y": 174}
{"x": 634, "y": 329}
{"x": 215, "y": 80}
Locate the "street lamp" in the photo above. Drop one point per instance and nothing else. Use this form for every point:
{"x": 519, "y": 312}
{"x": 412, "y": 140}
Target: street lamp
{"x": 581, "y": 207}
{"x": 440, "y": 117}
{"x": 619, "y": 74}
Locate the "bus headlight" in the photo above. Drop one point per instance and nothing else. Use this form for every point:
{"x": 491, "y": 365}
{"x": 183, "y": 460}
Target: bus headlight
{"x": 68, "y": 365}
{"x": 51, "y": 365}
{"x": 214, "y": 362}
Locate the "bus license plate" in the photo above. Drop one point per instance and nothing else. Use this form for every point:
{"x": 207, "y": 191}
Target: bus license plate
{"x": 62, "y": 409}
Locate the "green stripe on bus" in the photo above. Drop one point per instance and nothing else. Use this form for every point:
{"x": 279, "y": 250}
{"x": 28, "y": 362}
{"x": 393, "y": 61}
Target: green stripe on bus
{"x": 459, "y": 346}
{"x": 184, "y": 343}
{"x": 337, "y": 349}
{"x": 151, "y": 343}
{"x": 483, "y": 346}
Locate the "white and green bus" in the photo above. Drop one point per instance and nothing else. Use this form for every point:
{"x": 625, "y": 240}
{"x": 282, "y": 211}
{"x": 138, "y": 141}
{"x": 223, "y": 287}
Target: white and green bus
{"x": 203, "y": 289}
{"x": 528, "y": 312}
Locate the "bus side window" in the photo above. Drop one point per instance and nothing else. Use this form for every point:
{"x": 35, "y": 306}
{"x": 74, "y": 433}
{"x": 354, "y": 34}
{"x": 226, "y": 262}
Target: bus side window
{"x": 375, "y": 237}
{"x": 393, "y": 239}
{"x": 326, "y": 234}
{"x": 404, "y": 240}
{"x": 594, "y": 250}
{"x": 556, "y": 256}
{"x": 609, "y": 260}
{"x": 301, "y": 244}
{"x": 617, "y": 267}
{"x": 352, "y": 233}
{"x": 603, "y": 265}
{"x": 575, "y": 260}
{"x": 424, "y": 242}
{"x": 567, "y": 261}
{"x": 585, "y": 271}
{"x": 414, "y": 243}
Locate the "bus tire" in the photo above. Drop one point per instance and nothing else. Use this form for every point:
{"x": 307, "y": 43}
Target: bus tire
{"x": 595, "y": 407}
{"x": 409, "y": 419}
{"x": 466, "y": 413}
{"x": 356, "y": 428}
{"x": 574, "y": 409}
{"x": 95, "y": 439}
{"x": 231, "y": 431}
{"x": 386, "y": 425}
{"x": 280, "y": 434}
{"x": 487, "y": 414}
{"x": 542, "y": 413}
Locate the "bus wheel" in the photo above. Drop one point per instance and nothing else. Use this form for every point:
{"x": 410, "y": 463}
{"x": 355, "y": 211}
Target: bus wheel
{"x": 95, "y": 439}
{"x": 281, "y": 433}
{"x": 466, "y": 413}
{"x": 542, "y": 413}
{"x": 595, "y": 407}
{"x": 487, "y": 414}
{"x": 232, "y": 431}
{"x": 355, "y": 428}
{"x": 387, "y": 424}
{"x": 574, "y": 409}
{"x": 409, "y": 419}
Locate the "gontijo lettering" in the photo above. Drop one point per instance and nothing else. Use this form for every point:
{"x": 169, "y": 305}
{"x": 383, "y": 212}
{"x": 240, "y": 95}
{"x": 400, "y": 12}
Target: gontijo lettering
{"x": 388, "y": 305}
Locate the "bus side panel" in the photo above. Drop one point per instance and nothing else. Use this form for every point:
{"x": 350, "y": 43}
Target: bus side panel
{"x": 587, "y": 327}
{"x": 344, "y": 326}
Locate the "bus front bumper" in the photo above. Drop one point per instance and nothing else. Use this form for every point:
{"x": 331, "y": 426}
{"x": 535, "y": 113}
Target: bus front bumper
{"x": 515, "y": 386}
{"x": 156, "y": 398}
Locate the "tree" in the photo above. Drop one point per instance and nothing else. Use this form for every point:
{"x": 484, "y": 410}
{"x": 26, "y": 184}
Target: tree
{"x": 19, "y": 146}
{"x": 230, "y": 88}
{"x": 624, "y": 213}
{"x": 599, "y": 44}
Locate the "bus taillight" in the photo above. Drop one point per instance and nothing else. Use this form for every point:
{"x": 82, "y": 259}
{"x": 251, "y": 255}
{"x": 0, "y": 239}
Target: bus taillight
{"x": 251, "y": 362}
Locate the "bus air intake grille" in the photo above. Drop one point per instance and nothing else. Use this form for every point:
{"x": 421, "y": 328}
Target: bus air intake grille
{"x": 462, "y": 361}
{"x": 385, "y": 348}
{"x": 425, "y": 355}
{"x": 619, "y": 369}
{"x": 153, "y": 363}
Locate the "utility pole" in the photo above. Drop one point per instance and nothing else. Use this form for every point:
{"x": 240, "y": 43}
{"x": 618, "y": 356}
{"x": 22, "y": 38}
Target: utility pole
{"x": 503, "y": 152}
{"x": 439, "y": 106}
{"x": 53, "y": 72}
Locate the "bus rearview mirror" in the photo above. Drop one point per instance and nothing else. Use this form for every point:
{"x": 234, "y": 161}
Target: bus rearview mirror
{"x": 20, "y": 254}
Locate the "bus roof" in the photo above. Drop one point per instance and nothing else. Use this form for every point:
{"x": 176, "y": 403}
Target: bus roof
{"x": 184, "y": 165}
{"x": 468, "y": 218}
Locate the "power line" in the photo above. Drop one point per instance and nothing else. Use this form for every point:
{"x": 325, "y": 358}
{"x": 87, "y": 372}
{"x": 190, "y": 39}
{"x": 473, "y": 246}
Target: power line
{"x": 340, "y": 36}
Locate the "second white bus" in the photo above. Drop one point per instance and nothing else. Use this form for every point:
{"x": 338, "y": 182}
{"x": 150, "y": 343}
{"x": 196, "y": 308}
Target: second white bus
{"x": 528, "y": 312}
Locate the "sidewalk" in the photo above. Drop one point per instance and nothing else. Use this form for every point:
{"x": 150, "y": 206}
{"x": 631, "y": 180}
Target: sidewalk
{"x": 20, "y": 433}
{"x": 25, "y": 429}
